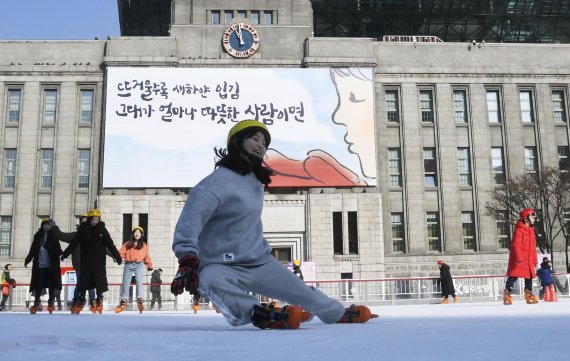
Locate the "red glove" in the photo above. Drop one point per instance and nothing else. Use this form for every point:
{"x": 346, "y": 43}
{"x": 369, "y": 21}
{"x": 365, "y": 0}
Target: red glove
{"x": 187, "y": 277}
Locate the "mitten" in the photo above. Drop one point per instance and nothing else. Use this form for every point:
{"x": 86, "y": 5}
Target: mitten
{"x": 187, "y": 277}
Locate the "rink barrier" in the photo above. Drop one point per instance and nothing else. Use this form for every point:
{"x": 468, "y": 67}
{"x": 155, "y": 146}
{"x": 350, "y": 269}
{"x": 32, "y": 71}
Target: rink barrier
{"x": 371, "y": 292}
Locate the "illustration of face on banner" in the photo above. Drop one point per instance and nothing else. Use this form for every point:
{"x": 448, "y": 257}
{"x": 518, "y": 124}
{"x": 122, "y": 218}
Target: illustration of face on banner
{"x": 162, "y": 125}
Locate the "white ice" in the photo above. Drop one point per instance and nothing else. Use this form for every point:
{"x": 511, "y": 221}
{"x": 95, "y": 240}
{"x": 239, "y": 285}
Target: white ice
{"x": 458, "y": 332}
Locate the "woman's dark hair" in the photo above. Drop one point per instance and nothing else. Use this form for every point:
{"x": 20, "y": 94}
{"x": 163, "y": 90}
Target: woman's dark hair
{"x": 131, "y": 242}
{"x": 231, "y": 158}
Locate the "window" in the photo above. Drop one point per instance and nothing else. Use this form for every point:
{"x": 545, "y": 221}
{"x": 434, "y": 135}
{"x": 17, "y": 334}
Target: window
{"x": 563, "y": 164}
{"x": 394, "y": 167}
{"x": 229, "y": 15}
{"x": 497, "y": 164}
{"x": 127, "y": 226}
{"x": 493, "y": 109}
{"x": 468, "y": 227}
{"x": 5, "y": 235}
{"x": 268, "y": 17}
{"x": 392, "y": 113}
{"x": 50, "y": 105}
{"x": 460, "y": 106}
{"x": 558, "y": 106}
{"x": 215, "y": 16}
{"x": 86, "y": 106}
{"x": 426, "y": 106}
{"x": 83, "y": 168}
{"x": 531, "y": 162}
{"x": 46, "y": 169}
{"x": 503, "y": 232}
{"x": 337, "y": 233}
{"x": 9, "y": 168}
{"x": 398, "y": 235}
{"x": 143, "y": 222}
{"x": 353, "y": 232}
{"x": 14, "y": 104}
{"x": 255, "y": 17}
{"x": 430, "y": 169}
{"x": 463, "y": 166}
{"x": 282, "y": 254}
{"x": 432, "y": 221}
{"x": 526, "y": 106}
{"x": 241, "y": 14}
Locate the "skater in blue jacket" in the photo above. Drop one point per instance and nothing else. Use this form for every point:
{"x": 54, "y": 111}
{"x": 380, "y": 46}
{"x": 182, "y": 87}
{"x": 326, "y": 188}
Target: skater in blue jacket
{"x": 223, "y": 255}
{"x": 544, "y": 273}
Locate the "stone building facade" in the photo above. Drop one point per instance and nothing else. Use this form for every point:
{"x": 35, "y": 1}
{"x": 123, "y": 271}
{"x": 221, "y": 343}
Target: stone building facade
{"x": 436, "y": 140}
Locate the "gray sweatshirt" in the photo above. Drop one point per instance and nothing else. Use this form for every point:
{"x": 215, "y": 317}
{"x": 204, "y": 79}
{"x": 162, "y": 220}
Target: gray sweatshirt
{"x": 221, "y": 221}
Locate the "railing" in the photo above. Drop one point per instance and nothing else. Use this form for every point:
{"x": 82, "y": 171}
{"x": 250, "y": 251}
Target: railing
{"x": 411, "y": 39}
{"x": 372, "y": 292}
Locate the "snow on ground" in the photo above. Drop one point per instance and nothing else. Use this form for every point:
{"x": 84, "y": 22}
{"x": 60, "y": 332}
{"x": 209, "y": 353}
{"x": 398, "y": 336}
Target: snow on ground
{"x": 460, "y": 332}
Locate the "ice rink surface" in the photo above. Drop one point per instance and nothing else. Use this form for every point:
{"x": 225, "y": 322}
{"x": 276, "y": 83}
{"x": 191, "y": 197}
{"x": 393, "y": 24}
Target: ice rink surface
{"x": 458, "y": 332}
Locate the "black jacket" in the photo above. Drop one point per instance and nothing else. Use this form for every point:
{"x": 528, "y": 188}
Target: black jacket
{"x": 155, "y": 280}
{"x": 54, "y": 251}
{"x": 446, "y": 280}
{"x": 94, "y": 240}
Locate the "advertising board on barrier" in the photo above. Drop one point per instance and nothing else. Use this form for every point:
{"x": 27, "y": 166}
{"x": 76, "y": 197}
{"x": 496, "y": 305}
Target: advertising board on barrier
{"x": 164, "y": 123}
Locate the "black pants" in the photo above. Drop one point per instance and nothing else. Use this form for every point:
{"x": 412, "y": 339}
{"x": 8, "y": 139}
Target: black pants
{"x": 156, "y": 297}
{"x": 43, "y": 280}
{"x": 511, "y": 282}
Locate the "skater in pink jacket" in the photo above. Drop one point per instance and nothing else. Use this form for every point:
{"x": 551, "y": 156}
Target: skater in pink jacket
{"x": 137, "y": 259}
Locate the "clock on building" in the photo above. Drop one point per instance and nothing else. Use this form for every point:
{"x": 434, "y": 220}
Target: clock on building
{"x": 240, "y": 40}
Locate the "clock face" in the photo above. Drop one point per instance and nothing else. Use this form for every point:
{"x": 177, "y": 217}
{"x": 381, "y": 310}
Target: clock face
{"x": 240, "y": 40}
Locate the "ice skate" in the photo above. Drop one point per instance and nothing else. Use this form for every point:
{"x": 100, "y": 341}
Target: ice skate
{"x": 35, "y": 307}
{"x": 455, "y": 299}
{"x": 444, "y": 301}
{"x": 267, "y": 316}
{"x": 507, "y": 298}
{"x": 356, "y": 314}
{"x": 140, "y": 304}
{"x": 93, "y": 307}
{"x": 99, "y": 304}
{"x": 77, "y": 306}
{"x": 74, "y": 307}
{"x": 121, "y": 307}
{"x": 50, "y": 307}
{"x": 530, "y": 298}
{"x": 196, "y": 307}
{"x": 306, "y": 316}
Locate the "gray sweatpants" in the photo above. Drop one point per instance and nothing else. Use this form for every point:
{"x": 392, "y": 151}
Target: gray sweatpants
{"x": 227, "y": 287}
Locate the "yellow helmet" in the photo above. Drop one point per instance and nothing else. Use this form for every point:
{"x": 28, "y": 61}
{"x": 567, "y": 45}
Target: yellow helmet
{"x": 246, "y": 124}
{"x": 139, "y": 228}
{"x": 296, "y": 262}
{"x": 94, "y": 213}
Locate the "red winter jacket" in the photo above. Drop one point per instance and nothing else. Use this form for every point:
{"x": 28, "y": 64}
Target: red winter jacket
{"x": 522, "y": 256}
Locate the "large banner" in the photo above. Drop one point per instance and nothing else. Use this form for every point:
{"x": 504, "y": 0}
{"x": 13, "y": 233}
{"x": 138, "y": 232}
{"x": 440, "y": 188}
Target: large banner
{"x": 162, "y": 124}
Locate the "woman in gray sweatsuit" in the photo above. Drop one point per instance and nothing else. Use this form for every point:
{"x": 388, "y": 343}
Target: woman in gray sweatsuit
{"x": 219, "y": 240}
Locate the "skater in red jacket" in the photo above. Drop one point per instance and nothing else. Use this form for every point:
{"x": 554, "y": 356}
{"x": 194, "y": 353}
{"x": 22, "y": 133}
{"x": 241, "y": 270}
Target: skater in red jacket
{"x": 522, "y": 257}
{"x": 223, "y": 255}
